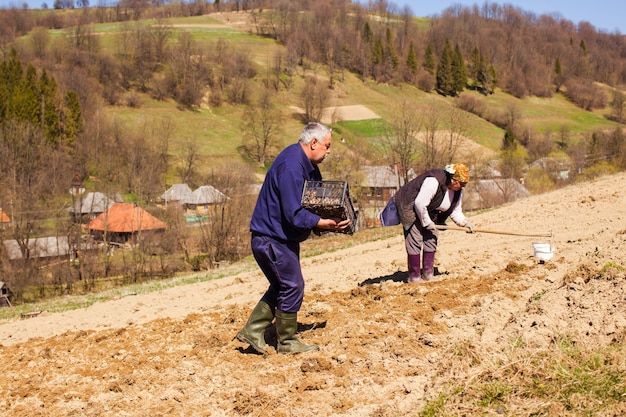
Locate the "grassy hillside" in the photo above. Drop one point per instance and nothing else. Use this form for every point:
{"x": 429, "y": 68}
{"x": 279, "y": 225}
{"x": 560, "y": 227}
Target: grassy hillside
{"x": 217, "y": 130}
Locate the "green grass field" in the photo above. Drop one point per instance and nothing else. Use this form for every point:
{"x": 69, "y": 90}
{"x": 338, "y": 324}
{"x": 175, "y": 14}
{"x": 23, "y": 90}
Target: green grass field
{"x": 217, "y": 131}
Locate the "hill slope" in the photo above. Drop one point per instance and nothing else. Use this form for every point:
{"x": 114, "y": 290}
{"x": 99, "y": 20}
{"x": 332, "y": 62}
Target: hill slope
{"x": 495, "y": 319}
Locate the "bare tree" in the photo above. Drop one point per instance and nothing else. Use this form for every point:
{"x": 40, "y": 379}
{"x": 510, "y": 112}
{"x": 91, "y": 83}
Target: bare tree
{"x": 40, "y": 39}
{"x": 618, "y": 105}
{"x": 431, "y": 156}
{"x": 315, "y": 99}
{"x": 189, "y": 157}
{"x": 401, "y": 137}
{"x": 261, "y": 124}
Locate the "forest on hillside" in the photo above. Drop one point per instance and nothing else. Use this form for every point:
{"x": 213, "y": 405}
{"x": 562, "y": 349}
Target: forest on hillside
{"x": 54, "y": 92}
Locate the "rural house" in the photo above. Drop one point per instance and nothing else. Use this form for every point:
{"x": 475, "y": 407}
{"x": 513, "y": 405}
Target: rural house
{"x": 5, "y": 220}
{"x": 6, "y": 295}
{"x": 90, "y": 206}
{"x": 177, "y": 194}
{"x": 123, "y": 222}
{"x": 203, "y": 197}
{"x": 44, "y": 250}
{"x": 379, "y": 184}
{"x": 195, "y": 204}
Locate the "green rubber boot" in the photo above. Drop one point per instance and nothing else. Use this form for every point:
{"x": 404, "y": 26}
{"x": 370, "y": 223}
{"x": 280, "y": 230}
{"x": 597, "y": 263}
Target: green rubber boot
{"x": 286, "y": 326}
{"x": 253, "y": 332}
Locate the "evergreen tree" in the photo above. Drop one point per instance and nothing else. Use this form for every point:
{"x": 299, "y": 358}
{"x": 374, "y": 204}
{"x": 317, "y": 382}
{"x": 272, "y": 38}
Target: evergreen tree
{"x": 411, "y": 60}
{"x": 459, "y": 72}
{"x": 445, "y": 74}
{"x": 429, "y": 60}
{"x": 492, "y": 80}
{"x": 378, "y": 52}
{"x": 72, "y": 119}
{"x": 509, "y": 142}
{"x": 50, "y": 118}
{"x": 12, "y": 74}
{"x": 27, "y": 97}
{"x": 367, "y": 33}
{"x": 558, "y": 75}
{"x": 391, "y": 50}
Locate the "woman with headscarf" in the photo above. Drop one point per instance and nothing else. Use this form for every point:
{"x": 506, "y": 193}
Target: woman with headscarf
{"x": 422, "y": 204}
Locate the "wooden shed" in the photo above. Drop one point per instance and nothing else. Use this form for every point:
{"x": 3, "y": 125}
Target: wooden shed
{"x": 6, "y": 295}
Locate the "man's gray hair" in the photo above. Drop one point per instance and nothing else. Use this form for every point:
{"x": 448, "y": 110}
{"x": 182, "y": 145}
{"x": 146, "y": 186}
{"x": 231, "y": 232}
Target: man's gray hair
{"x": 312, "y": 131}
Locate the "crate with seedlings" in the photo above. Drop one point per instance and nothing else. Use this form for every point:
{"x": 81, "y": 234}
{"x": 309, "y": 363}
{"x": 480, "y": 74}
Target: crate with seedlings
{"x": 330, "y": 200}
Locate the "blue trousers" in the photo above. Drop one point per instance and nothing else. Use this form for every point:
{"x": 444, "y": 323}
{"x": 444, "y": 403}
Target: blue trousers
{"x": 280, "y": 262}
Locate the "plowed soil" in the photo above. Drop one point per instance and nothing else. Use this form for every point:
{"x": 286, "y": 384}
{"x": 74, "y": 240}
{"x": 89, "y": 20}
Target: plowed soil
{"x": 387, "y": 348}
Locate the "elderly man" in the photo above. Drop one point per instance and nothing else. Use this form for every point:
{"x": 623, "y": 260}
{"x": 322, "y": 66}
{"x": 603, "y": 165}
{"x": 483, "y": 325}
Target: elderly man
{"x": 279, "y": 223}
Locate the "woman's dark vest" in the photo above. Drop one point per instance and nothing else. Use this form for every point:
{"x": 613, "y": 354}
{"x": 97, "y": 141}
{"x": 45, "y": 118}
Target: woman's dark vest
{"x": 406, "y": 195}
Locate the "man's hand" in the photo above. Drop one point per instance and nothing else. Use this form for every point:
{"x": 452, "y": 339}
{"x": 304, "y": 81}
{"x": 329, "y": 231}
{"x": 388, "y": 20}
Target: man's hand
{"x": 336, "y": 225}
{"x": 431, "y": 226}
{"x": 470, "y": 227}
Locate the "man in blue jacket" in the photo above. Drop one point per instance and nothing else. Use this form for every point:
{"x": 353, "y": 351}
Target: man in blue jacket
{"x": 279, "y": 223}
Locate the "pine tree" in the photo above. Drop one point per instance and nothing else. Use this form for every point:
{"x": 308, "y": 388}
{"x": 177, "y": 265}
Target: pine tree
{"x": 429, "y": 60}
{"x": 411, "y": 60}
{"x": 377, "y": 53}
{"x": 27, "y": 97}
{"x": 558, "y": 75}
{"x": 367, "y": 33}
{"x": 509, "y": 142}
{"x": 72, "y": 119}
{"x": 12, "y": 74}
{"x": 445, "y": 74}
{"x": 391, "y": 50}
{"x": 50, "y": 118}
{"x": 459, "y": 72}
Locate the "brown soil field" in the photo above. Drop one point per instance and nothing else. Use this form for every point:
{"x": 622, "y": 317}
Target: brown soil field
{"x": 387, "y": 348}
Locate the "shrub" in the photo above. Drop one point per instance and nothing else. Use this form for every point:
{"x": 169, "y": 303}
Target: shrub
{"x": 585, "y": 94}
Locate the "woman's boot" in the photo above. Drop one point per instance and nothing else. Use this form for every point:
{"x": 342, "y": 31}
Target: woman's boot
{"x": 253, "y": 332}
{"x": 429, "y": 266}
{"x": 414, "y": 268}
{"x": 286, "y": 326}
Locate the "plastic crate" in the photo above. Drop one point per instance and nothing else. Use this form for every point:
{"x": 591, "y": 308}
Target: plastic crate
{"x": 330, "y": 200}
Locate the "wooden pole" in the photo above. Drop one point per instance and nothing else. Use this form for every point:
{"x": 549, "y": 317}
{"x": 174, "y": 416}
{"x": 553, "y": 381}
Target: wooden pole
{"x": 498, "y": 232}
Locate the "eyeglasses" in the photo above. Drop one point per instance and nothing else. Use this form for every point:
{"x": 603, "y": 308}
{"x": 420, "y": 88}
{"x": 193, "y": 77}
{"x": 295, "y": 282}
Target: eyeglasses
{"x": 463, "y": 184}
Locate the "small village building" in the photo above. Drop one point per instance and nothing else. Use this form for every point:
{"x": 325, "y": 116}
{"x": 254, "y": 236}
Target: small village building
{"x": 90, "y": 206}
{"x": 194, "y": 204}
{"x": 6, "y": 295}
{"x": 123, "y": 222}
{"x": 5, "y": 220}
{"x": 379, "y": 184}
{"x": 177, "y": 194}
{"x": 204, "y": 197}
{"x": 44, "y": 250}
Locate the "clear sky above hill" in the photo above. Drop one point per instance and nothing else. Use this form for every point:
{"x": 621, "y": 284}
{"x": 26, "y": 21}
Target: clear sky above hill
{"x": 605, "y": 15}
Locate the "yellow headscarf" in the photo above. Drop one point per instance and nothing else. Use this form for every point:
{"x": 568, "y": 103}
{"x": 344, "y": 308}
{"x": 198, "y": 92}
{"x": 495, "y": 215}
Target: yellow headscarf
{"x": 459, "y": 172}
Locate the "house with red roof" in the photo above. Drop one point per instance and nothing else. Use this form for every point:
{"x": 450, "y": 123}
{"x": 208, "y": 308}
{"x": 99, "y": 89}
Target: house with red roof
{"x": 123, "y": 222}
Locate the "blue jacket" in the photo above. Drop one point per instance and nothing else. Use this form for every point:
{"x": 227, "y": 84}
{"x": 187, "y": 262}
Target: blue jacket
{"x": 278, "y": 212}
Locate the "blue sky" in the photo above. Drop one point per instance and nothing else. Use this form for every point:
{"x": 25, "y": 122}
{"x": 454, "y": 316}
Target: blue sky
{"x": 605, "y": 15}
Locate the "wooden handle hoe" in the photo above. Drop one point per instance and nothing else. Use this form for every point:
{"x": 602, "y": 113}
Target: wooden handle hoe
{"x": 498, "y": 232}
